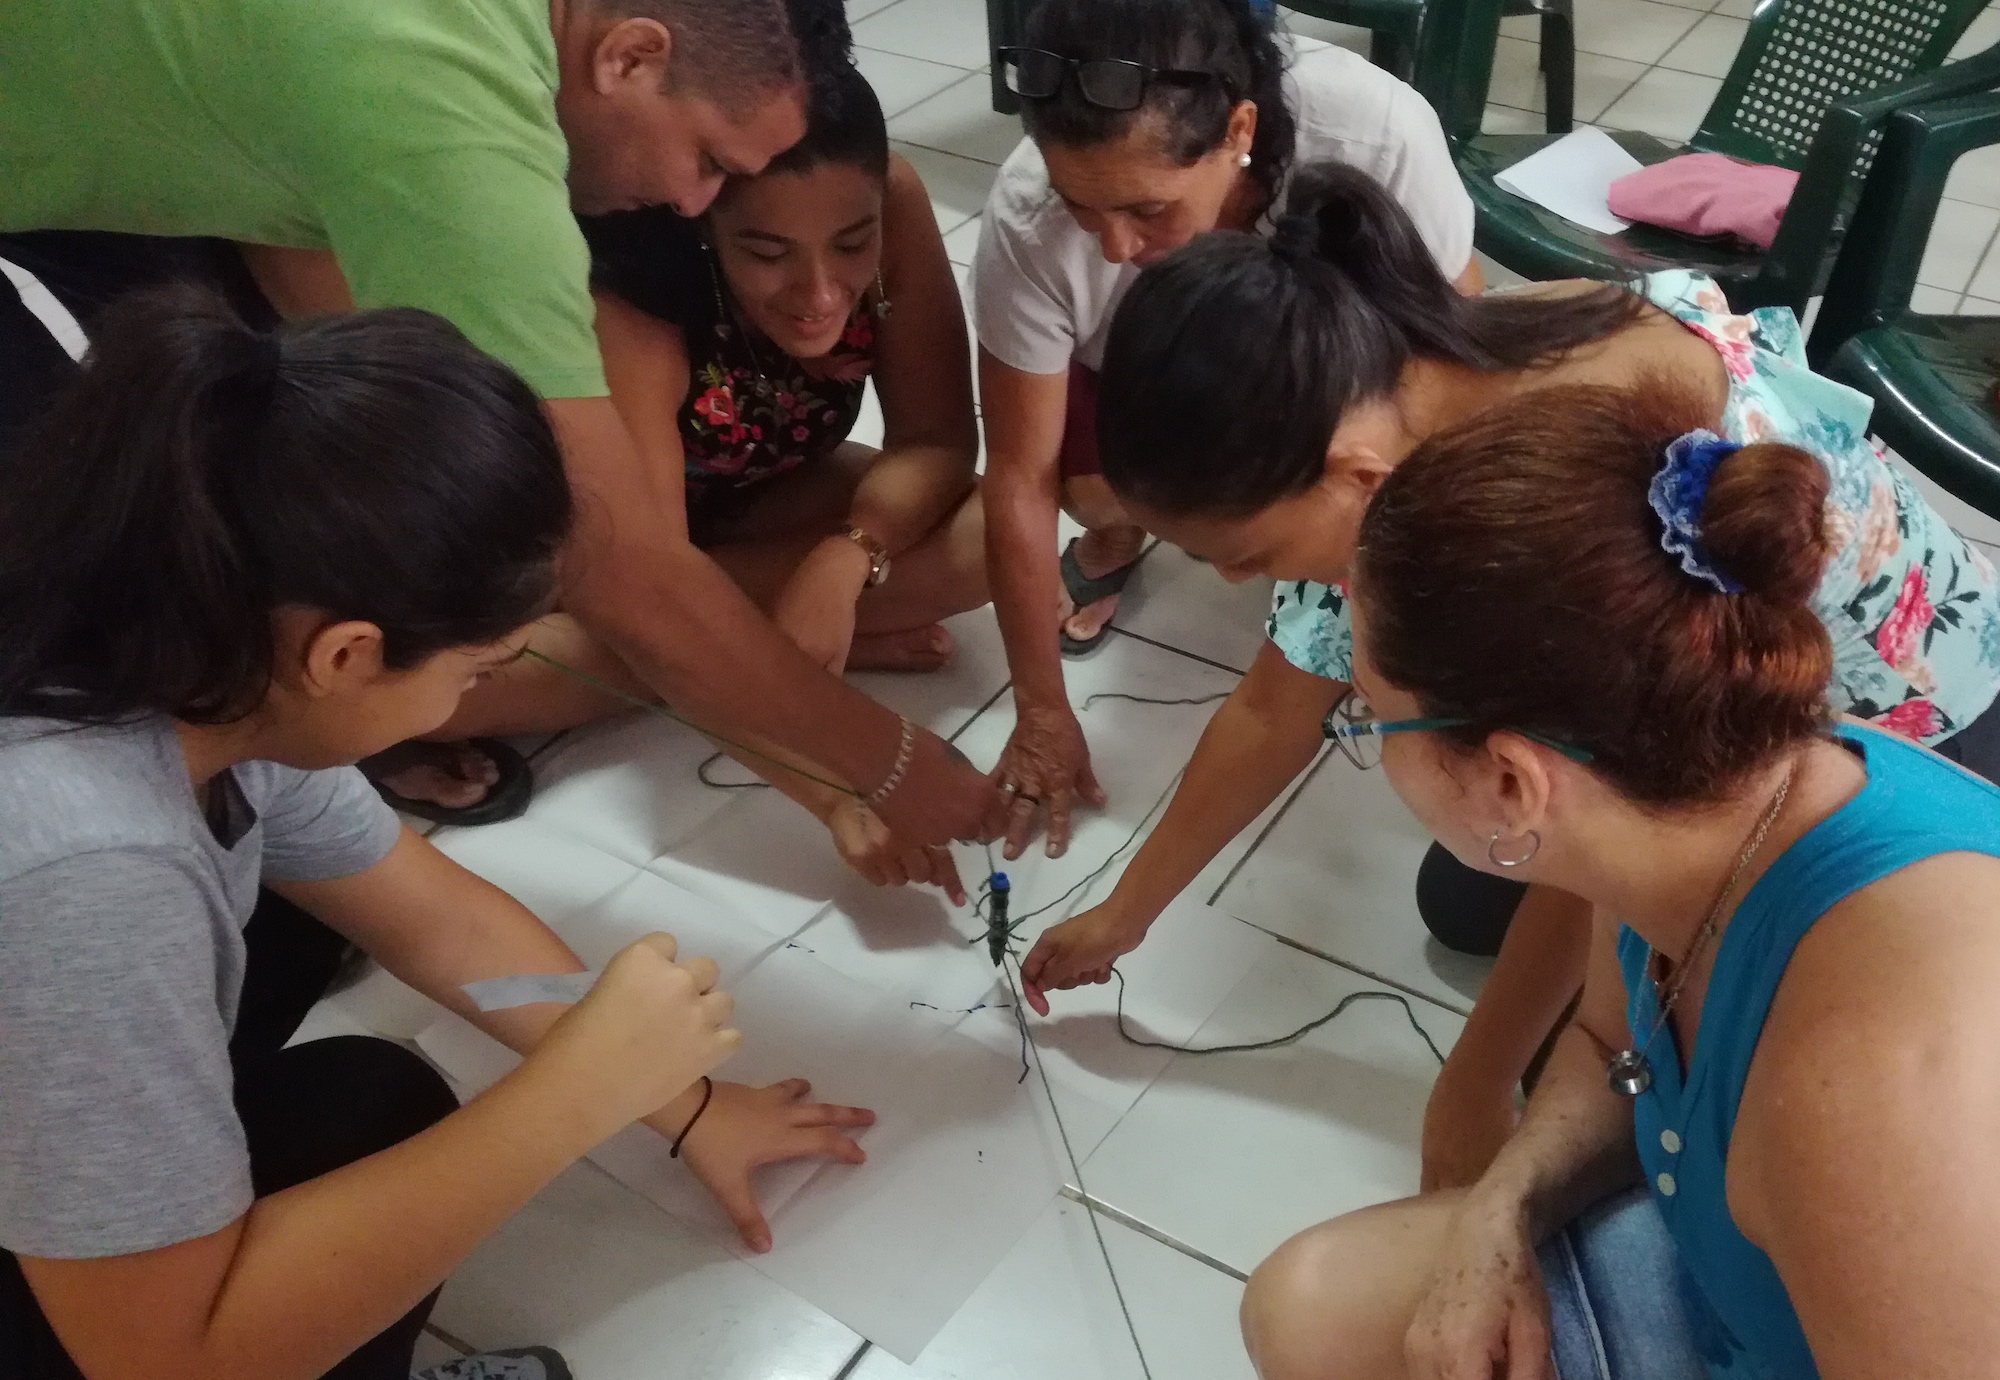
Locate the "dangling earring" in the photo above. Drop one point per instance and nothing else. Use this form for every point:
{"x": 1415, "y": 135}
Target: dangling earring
{"x": 1242, "y": 160}
{"x": 1534, "y": 841}
{"x": 883, "y": 306}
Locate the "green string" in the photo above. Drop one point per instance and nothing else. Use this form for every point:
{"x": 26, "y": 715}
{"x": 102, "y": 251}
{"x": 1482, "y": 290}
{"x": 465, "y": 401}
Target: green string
{"x": 654, "y": 707}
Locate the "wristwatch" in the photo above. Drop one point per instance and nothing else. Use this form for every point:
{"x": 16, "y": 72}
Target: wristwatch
{"x": 878, "y": 555}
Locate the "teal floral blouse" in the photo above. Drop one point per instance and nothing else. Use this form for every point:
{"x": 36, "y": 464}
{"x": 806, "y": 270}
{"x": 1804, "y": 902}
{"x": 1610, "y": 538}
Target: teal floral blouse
{"x": 1910, "y": 605}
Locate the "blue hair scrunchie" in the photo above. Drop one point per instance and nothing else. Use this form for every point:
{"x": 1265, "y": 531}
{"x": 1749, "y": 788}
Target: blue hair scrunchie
{"x": 1677, "y": 494}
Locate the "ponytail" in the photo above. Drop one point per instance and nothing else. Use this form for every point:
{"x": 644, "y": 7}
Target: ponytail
{"x": 199, "y": 475}
{"x": 1331, "y": 310}
{"x": 1234, "y": 39}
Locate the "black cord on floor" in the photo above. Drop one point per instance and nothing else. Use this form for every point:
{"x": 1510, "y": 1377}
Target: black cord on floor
{"x": 701, "y": 773}
{"x": 1293, "y": 1038}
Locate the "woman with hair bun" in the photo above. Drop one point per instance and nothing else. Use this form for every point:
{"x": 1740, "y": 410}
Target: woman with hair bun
{"x": 1586, "y": 637}
{"x": 1149, "y": 122}
{"x": 1364, "y": 353}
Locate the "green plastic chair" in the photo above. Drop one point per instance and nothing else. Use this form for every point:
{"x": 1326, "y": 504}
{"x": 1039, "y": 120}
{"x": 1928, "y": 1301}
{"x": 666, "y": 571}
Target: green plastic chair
{"x": 1801, "y": 62}
{"x": 1933, "y": 378}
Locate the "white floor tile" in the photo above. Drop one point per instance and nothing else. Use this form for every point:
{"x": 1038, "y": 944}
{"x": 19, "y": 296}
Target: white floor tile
{"x": 1709, "y": 49}
{"x": 1338, "y": 874}
{"x": 900, "y": 82}
{"x": 962, "y": 243}
{"x": 625, "y": 1292}
{"x": 1636, "y": 30}
{"x": 858, "y": 10}
{"x": 958, "y": 186}
{"x": 1703, "y": 5}
{"x": 1049, "y": 1312}
{"x": 1979, "y": 306}
{"x": 433, "y": 1351}
{"x": 1737, "y": 9}
{"x": 1505, "y": 119}
{"x": 947, "y": 31}
{"x": 1176, "y": 599}
{"x": 1934, "y": 301}
{"x": 960, "y": 119}
{"x": 626, "y": 786}
{"x": 1983, "y": 34}
{"x": 1959, "y": 239}
{"x": 1976, "y": 178}
{"x": 1986, "y": 282}
{"x": 1518, "y": 82}
{"x": 1233, "y": 1153}
{"x": 945, "y": 701}
{"x": 1667, "y": 105}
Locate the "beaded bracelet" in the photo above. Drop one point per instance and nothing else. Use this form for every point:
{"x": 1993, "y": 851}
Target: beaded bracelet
{"x": 707, "y": 1092}
{"x": 904, "y": 751}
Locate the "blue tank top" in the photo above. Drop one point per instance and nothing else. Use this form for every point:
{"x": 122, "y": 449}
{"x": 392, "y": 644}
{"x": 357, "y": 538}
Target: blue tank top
{"x": 1914, "y": 806}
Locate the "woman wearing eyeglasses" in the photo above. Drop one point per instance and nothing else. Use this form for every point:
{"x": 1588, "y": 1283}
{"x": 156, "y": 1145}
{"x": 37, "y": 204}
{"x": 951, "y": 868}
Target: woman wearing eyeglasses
{"x": 1149, "y": 122}
{"x": 1380, "y": 355}
{"x": 1763, "y": 1148}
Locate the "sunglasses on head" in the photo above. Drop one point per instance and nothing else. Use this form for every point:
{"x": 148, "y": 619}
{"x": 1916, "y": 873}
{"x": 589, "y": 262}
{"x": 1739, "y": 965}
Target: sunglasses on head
{"x": 1036, "y": 74}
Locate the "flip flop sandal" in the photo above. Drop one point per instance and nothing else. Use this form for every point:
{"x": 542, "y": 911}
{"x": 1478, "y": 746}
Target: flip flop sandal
{"x": 508, "y": 798}
{"x": 1085, "y": 590}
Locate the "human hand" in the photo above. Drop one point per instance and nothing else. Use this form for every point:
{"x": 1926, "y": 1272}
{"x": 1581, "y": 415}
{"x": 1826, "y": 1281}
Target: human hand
{"x": 1046, "y": 761}
{"x": 1079, "y": 950}
{"x": 746, "y": 1127}
{"x": 1486, "y": 1313}
{"x": 816, "y": 607}
{"x": 1466, "y": 1121}
{"x": 866, "y": 845}
{"x": 642, "y": 1035}
{"x": 943, "y": 797}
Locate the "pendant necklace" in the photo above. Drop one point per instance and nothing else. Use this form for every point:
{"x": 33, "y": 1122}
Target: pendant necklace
{"x": 1631, "y": 1072}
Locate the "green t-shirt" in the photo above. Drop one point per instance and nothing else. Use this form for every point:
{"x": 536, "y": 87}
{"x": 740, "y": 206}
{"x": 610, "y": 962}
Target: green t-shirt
{"x": 416, "y": 139}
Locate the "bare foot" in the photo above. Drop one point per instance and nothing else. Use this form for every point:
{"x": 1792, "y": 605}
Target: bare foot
{"x": 1100, "y": 551}
{"x": 918, "y": 649}
{"x": 452, "y": 775}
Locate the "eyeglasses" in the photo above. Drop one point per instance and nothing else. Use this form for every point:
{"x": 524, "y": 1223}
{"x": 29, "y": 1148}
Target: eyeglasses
{"x": 1036, "y": 74}
{"x": 1355, "y": 730}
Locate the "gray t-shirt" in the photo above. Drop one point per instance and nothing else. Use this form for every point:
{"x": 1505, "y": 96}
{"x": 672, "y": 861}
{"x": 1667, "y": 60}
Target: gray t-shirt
{"x": 121, "y": 961}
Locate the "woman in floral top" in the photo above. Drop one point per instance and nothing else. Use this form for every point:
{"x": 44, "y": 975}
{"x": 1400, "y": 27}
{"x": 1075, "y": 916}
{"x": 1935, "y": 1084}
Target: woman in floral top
{"x": 739, "y": 349}
{"x": 1268, "y": 472}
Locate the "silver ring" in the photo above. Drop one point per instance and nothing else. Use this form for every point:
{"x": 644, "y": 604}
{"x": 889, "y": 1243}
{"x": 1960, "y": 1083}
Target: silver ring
{"x": 1010, "y": 788}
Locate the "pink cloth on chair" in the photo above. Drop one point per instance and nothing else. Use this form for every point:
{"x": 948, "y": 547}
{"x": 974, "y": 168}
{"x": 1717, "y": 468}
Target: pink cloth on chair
{"x": 1707, "y": 194}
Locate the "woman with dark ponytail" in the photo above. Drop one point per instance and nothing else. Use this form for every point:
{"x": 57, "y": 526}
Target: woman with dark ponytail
{"x": 231, "y": 564}
{"x": 1149, "y": 122}
{"x": 1362, "y": 352}
{"x": 1589, "y": 649}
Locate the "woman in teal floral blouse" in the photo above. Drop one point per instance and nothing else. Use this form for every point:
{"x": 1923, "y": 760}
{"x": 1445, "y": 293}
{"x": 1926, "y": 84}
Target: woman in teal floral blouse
{"x": 1267, "y": 471}
{"x": 739, "y": 350}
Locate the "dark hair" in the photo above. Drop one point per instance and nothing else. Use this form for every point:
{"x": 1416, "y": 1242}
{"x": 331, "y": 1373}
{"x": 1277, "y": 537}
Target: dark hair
{"x": 1230, "y": 38}
{"x": 199, "y": 474}
{"x": 844, "y": 126}
{"x": 1231, "y": 362}
{"x": 825, "y": 39}
{"x": 1510, "y": 572}
{"x": 734, "y": 51}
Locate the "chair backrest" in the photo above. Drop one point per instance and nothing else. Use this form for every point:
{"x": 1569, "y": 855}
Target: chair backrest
{"x": 1800, "y": 56}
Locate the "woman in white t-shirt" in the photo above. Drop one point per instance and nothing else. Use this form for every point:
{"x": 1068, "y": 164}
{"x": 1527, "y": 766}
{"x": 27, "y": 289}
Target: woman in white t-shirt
{"x": 1149, "y": 122}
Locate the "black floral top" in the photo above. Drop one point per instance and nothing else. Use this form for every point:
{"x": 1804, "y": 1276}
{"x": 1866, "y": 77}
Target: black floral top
{"x": 752, "y": 411}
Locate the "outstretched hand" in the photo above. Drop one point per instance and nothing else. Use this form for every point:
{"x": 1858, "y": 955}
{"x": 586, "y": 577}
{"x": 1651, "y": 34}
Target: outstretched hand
{"x": 866, "y": 845}
{"x": 1045, "y": 765}
{"x": 1078, "y": 951}
{"x": 745, "y": 1128}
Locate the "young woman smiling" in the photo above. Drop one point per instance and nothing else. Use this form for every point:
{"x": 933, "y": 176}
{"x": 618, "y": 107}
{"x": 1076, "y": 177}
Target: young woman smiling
{"x": 1149, "y": 122}
{"x": 1367, "y": 353}
{"x": 739, "y": 349}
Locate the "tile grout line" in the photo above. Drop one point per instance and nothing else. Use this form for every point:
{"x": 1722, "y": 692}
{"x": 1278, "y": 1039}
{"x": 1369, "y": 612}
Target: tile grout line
{"x": 458, "y": 1344}
{"x": 1304, "y": 780}
{"x": 1181, "y": 651}
{"x": 854, "y": 1361}
{"x": 1368, "y": 973}
{"x": 1092, "y": 1203}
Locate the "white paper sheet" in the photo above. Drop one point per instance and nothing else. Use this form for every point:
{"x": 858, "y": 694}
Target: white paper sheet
{"x": 963, "y": 1155}
{"x": 1573, "y": 178}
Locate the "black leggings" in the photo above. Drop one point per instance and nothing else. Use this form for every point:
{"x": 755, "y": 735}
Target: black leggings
{"x": 306, "y": 1111}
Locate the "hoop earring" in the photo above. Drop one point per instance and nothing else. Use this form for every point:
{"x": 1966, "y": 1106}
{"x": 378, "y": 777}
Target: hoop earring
{"x": 1493, "y": 855}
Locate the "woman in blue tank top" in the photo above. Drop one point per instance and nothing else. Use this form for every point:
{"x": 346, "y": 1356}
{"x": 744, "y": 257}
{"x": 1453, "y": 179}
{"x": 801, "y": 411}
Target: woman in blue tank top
{"x": 1764, "y": 1146}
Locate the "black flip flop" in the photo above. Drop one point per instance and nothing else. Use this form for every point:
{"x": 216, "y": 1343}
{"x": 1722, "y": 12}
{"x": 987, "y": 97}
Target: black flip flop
{"x": 1085, "y": 590}
{"x": 507, "y": 800}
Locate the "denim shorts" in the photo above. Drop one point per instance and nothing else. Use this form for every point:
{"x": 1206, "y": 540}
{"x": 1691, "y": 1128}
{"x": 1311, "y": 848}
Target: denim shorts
{"x": 1615, "y": 1296}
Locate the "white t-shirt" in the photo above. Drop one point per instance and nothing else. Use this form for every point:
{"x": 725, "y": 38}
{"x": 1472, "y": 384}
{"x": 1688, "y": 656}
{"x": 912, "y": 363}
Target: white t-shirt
{"x": 1043, "y": 293}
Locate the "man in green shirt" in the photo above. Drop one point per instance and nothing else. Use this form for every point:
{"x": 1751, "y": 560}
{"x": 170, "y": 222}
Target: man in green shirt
{"x": 434, "y": 151}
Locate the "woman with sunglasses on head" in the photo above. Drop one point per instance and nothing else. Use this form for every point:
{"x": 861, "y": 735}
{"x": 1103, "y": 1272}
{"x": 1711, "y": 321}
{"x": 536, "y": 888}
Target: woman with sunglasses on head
{"x": 1763, "y": 1147}
{"x": 232, "y": 563}
{"x": 739, "y": 349}
{"x": 1149, "y": 122}
{"x": 1374, "y": 354}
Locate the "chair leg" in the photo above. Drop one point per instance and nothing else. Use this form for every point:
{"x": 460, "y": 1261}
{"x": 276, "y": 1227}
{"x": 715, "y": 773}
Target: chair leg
{"x": 1004, "y": 25}
{"x": 1387, "y": 50}
{"x": 1559, "y": 63}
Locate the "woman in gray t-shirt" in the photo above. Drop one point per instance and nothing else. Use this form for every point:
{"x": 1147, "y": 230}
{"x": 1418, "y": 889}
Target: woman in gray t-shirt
{"x": 231, "y": 563}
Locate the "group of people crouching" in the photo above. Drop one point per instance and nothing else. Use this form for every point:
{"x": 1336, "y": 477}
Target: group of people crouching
{"x": 1692, "y": 687}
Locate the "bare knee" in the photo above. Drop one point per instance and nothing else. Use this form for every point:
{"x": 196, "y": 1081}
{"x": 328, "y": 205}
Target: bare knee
{"x": 1290, "y": 1306}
